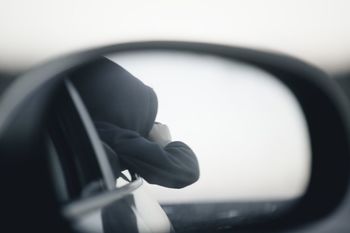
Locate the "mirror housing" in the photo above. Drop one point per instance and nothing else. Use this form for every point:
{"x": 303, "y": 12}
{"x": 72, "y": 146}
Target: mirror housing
{"x": 323, "y": 103}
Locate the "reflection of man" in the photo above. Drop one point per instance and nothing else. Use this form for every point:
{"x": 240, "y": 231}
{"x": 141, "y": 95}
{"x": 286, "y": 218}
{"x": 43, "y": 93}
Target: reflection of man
{"x": 124, "y": 110}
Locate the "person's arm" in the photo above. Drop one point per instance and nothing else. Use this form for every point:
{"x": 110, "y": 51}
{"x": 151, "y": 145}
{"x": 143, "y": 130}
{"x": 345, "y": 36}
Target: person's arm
{"x": 173, "y": 166}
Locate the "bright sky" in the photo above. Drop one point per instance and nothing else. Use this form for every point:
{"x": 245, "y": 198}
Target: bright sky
{"x": 317, "y": 31}
{"x": 247, "y": 128}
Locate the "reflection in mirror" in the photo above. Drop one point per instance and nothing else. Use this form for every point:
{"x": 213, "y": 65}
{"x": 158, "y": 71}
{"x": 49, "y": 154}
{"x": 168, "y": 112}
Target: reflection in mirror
{"x": 246, "y": 127}
{"x": 208, "y": 134}
{"x": 134, "y": 212}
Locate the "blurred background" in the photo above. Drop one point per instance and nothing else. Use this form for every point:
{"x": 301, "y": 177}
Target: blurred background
{"x": 317, "y": 31}
{"x": 246, "y": 127}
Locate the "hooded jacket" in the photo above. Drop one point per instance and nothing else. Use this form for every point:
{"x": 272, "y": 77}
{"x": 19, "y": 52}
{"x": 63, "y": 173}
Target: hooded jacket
{"x": 124, "y": 110}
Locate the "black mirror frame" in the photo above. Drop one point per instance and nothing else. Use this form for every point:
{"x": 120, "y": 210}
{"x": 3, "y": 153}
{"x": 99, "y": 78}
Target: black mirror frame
{"x": 324, "y": 105}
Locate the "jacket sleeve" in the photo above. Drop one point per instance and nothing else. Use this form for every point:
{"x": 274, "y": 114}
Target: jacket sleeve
{"x": 174, "y": 166}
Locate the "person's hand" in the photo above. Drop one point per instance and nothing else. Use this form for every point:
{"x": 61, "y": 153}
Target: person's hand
{"x": 160, "y": 134}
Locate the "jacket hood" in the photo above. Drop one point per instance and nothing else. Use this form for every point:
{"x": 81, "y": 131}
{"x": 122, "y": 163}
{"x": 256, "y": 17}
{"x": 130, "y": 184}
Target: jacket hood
{"x": 111, "y": 94}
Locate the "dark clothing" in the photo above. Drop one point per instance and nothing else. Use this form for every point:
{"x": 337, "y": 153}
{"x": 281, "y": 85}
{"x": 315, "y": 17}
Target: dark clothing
{"x": 113, "y": 95}
{"x": 173, "y": 166}
{"x": 124, "y": 110}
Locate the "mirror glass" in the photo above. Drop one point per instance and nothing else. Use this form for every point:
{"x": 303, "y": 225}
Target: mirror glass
{"x": 216, "y": 141}
{"x": 245, "y": 126}
{"x": 199, "y": 128}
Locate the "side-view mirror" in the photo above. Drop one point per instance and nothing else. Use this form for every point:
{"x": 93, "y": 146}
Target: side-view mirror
{"x": 214, "y": 138}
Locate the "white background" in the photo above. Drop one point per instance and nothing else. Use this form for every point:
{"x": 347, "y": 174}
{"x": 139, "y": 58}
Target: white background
{"x": 318, "y": 31}
{"x": 247, "y": 128}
